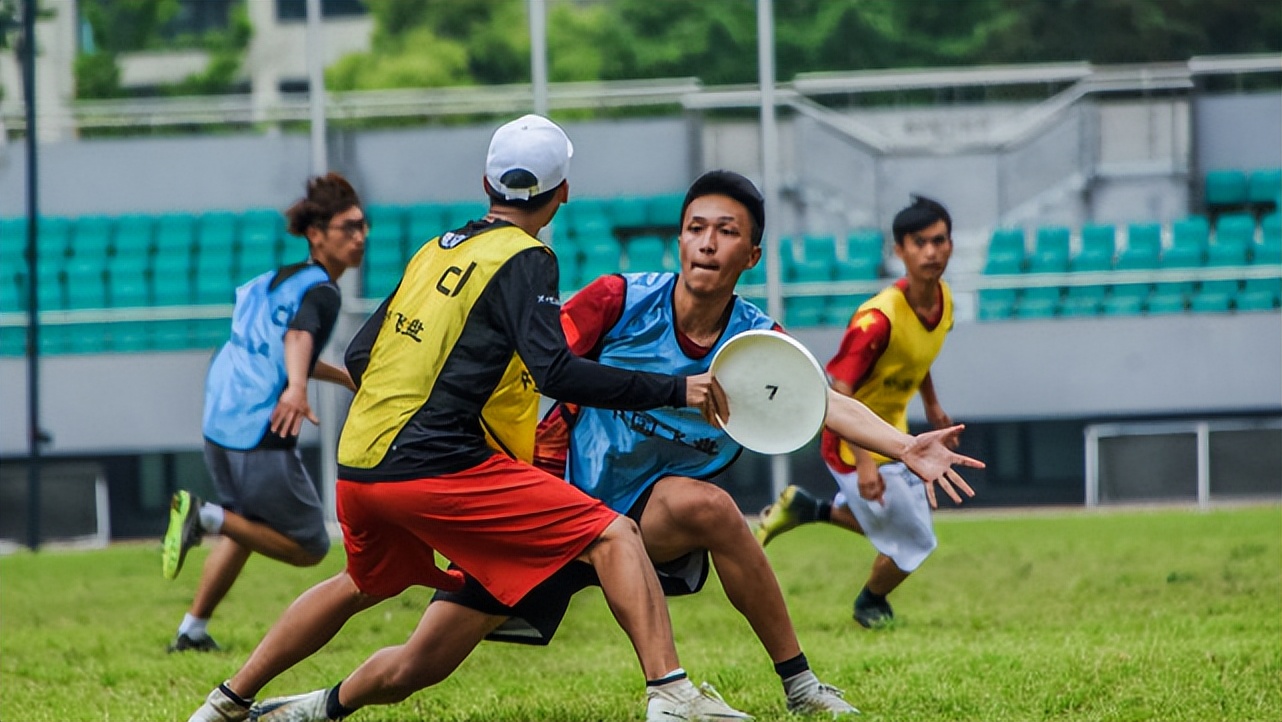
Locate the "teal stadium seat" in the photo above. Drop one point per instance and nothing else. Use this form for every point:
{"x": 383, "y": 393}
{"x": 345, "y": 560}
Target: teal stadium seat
{"x": 379, "y": 282}
{"x": 128, "y": 336}
{"x": 1211, "y": 302}
{"x": 1037, "y": 303}
{"x": 629, "y": 212}
{"x": 1005, "y": 252}
{"x": 803, "y": 311}
{"x": 261, "y": 233}
{"x": 127, "y": 290}
{"x": 1095, "y": 256}
{"x": 385, "y": 245}
{"x": 1166, "y": 300}
{"x": 819, "y": 248}
{"x": 170, "y": 335}
{"x": 91, "y": 237}
{"x": 645, "y": 253}
{"x": 49, "y": 291}
{"x": 1099, "y": 246}
{"x": 1080, "y": 305}
{"x": 755, "y": 276}
{"x": 672, "y": 259}
{"x": 1259, "y": 294}
{"x": 869, "y": 243}
{"x": 171, "y": 281}
{"x": 213, "y": 284}
{"x": 1268, "y": 251}
{"x": 384, "y": 261}
{"x": 1189, "y": 241}
{"x": 841, "y": 309}
{"x": 599, "y": 254}
{"x": 1264, "y": 189}
{"x": 997, "y": 304}
{"x": 175, "y": 237}
{"x": 1234, "y": 236}
{"x": 216, "y": 237}
{"x": 665, "y": 210}
{"x": 86, "y": 284}
{"x": 422, "y": 223}
{"x": 1123, "y": 305}
{"x": 1225, "y": 190}
{"x": 1050, "y": 251}
{"x": 13, "y": 236}
{"x": 133, "y": 224}
{"x": 857, "y": 268}
{"x": 56, "y": 239}
{"x": 209, "y": 332}
{"x": 1193, "y": 233}
{"x": 1050, "y": 255}
{"x": 10, "y": 302}
{"x": 13, "y": 340}
{"x": 457, "y": 215}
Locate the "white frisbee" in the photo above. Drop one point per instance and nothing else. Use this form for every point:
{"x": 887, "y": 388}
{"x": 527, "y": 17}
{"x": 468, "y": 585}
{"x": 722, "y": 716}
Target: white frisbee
{"x": 778, "y": 392}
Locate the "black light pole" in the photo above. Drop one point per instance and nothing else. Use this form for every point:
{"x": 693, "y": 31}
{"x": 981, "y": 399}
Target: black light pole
{"x": 28, "y": 56}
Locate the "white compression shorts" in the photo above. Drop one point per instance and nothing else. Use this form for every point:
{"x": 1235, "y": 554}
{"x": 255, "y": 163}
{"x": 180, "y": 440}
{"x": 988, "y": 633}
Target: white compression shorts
{"x": 900, "y": 527}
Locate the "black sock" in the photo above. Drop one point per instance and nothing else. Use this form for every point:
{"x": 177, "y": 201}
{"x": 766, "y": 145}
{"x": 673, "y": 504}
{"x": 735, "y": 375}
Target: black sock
{"x": 809, "y": 509}
{"x": 792, "y": 667}
{"x": 246, "y": 703}
{"x": 677, "y": 675}
{"x": 823, "y": 510}
{"x": 869, "y": 597}
{"x": 333, "y": 709}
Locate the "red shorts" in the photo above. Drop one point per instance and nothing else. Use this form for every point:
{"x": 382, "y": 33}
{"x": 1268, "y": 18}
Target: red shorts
{"x": 504, "y": 522}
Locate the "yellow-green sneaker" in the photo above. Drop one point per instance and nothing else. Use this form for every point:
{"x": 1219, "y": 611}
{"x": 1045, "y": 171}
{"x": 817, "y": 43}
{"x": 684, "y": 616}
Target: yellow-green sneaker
{"x": 780, "y": 516}
{"x": 184, "y": 532}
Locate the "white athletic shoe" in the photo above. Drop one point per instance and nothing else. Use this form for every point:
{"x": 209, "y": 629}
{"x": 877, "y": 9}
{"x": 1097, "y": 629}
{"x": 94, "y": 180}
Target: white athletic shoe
{"x": 812, "y": 697}
{"x": 218, "y": 707}
{"x": 308, "y": 707}
{"x": 687, "y": 703}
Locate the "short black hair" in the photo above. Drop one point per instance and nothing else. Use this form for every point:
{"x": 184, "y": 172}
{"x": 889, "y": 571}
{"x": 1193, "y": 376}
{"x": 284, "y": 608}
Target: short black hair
{"x": 731, "y": 184}
{"x": 922, "y": 213}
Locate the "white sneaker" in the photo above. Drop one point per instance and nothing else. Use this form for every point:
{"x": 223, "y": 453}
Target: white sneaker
{"x": 308, "y": 707}
{"x": 218, "y": 707}
{"x": 812, "y": 697}
{"x": 685, "y": 702}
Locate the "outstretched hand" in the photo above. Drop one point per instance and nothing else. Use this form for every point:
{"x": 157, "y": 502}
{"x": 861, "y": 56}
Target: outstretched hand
{"x": 703, "y": 392}
{"x": 291, "y": 410}
{"x": 930, "y": 457}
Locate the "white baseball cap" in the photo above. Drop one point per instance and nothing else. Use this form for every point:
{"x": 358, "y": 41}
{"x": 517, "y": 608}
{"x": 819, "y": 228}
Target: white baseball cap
{"x": 528, "y": 156}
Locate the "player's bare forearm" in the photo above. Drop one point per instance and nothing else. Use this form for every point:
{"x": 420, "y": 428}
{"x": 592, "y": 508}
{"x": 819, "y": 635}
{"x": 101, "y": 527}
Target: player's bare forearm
{"x": 298, "y": 356}
{"x": 857, "y": 424}
{"x": 334, "y": 375}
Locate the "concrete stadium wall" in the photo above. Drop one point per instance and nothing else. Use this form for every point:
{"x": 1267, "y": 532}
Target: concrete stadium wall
{"x": 1092, "y": 368}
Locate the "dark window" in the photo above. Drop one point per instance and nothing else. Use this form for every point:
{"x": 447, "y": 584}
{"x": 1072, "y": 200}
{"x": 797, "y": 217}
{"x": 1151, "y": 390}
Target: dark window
{"x": 297, "y": 9}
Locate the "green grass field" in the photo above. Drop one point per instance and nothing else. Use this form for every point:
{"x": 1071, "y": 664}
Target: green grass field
{"x": 1137, "y": 615}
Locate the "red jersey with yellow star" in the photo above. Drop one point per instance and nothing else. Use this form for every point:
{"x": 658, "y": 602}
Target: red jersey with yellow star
{"x": 884, "y": 356}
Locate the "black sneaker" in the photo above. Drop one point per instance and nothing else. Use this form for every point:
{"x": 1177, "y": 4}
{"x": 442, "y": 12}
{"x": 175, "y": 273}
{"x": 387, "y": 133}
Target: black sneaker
{"x": 184, "y": 643}
{"x": 183, "y": 533}
{"x": 872, "y": 614}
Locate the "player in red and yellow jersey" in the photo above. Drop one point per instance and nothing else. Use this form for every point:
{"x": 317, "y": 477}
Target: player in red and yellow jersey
{"x": 883, "y": 361}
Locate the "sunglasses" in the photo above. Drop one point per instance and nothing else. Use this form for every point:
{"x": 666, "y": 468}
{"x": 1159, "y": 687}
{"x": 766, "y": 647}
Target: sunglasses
{"x": 352, "y": 228}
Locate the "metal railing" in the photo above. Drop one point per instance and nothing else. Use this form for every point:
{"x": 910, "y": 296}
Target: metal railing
{"x": 688, "y": 93}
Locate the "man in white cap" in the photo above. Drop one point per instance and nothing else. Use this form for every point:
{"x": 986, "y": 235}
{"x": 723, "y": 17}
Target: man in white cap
{"x": 435, "y": 455}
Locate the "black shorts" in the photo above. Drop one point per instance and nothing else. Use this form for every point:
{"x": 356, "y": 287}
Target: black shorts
{"x": 535, "y": 619}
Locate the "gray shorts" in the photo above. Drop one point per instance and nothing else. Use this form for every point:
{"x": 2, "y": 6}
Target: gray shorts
{"x": 273, "y": 487}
